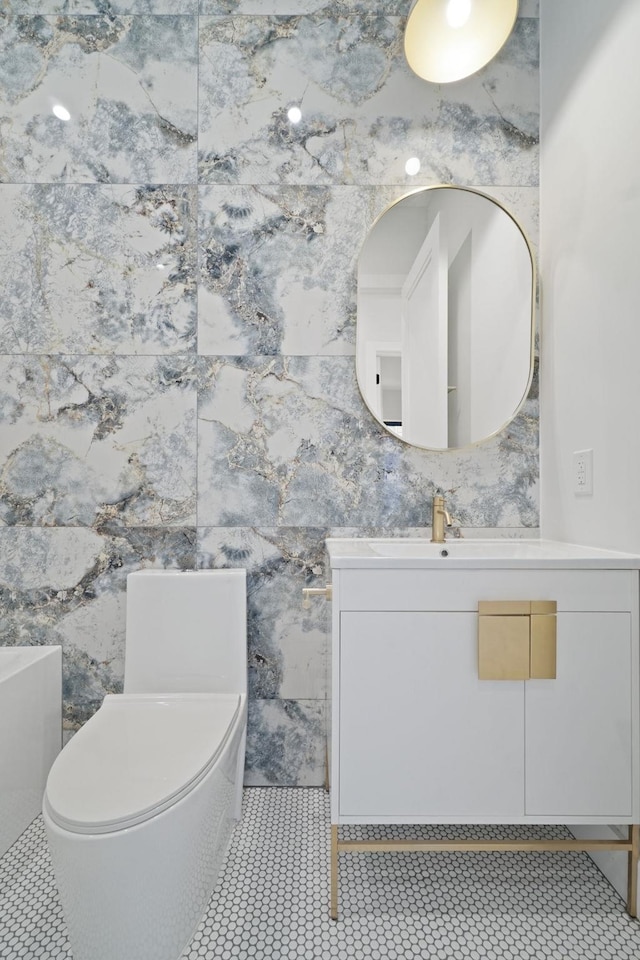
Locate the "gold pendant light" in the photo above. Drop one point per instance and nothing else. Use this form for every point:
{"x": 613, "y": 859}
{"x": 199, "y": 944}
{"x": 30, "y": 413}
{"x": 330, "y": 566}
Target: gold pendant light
{"x": 447, "y": 40}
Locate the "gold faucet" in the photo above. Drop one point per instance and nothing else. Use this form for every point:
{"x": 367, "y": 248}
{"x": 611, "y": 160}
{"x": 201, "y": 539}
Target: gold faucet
{"x": 439, "y": 517}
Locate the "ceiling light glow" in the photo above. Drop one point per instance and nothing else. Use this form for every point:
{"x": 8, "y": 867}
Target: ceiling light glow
{"x": 412, "y": 166}
{"x": 61, "y": 112}
{"x": 294, "y": 114}
{"x": 458, "y": 12}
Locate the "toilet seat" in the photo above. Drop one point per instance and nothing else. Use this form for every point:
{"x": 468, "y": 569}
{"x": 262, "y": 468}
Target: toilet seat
{"x": 138, "y": 755}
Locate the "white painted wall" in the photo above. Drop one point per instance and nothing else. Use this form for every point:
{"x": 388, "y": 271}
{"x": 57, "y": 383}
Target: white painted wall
{"x": 590, "y": 271}
{"x": 424, "y": 344}
{"x": 380, "y": 313}
{"x": 501, "y": 321}
{"x": 460, "y": 310}
{"x": 590, "y": 268}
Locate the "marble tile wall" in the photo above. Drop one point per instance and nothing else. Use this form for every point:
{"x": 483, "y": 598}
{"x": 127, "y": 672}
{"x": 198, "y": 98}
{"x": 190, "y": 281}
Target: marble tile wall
{"x": 177, "y": 317}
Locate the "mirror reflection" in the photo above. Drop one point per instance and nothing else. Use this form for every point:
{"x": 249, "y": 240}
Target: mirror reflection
{"x": 444, "y": 350}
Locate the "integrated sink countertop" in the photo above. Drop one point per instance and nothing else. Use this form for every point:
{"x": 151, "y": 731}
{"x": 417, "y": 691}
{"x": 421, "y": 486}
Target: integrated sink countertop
{"x": 410, "y": 552}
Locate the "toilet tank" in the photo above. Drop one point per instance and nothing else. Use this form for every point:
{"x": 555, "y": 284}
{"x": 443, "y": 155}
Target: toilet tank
{"x": 186, "y": 632}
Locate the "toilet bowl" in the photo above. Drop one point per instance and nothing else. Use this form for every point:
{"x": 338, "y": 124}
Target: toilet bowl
{"x": 139, "y": 805}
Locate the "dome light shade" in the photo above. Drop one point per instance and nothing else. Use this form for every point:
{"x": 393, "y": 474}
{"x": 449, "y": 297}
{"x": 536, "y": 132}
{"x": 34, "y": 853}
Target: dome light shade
{"x": 447, "y": 40}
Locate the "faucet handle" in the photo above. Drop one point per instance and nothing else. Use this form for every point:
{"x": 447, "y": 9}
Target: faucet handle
{"x": 308, "y": 592}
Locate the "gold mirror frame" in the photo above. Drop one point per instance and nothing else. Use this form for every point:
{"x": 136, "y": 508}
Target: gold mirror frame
{"x": 531, "y": 317}
{"x": 448, "y": 40}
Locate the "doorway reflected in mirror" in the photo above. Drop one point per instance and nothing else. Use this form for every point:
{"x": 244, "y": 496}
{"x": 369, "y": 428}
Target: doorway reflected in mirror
{"x": 445, "y": 334}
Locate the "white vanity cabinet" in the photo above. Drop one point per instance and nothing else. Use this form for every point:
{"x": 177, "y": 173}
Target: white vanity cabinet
{"x": 418, "y": 737}
{"x": 423, "y": 739}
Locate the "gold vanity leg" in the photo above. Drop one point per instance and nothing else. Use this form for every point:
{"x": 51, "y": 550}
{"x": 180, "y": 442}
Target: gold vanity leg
{"x": 632, "y": 883}
{"x": 326, "y": 767}
{"x": 334, "y": 871}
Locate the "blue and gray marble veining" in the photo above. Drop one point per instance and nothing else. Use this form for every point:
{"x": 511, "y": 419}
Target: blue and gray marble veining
{"x": 100, "y": 387}
{"x": 287, "y": 641}
{"x": 287, "y": 7}
{"x": 278, "y": 269}
{"x": 97, "y": 269}
{"x": 108, "y": 8}
{"x": 286, "y": 742}
{"x": 527, "y": 8}
{"x": 288, "y": 441}
{"x": 363, "y": 112}
{"x": 129, "y": 84}
{"x": 86, "y": 441}
{"x": 67, "y": 586}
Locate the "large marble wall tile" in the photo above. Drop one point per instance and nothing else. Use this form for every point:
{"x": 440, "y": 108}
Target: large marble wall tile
{"x": 88, "y": 440}
{"x": 108, "y": 8}
{"x": 129, "y": 84}
{"x": 364, "y": 112}
{"x": 67, "y": 586}
{"x": 288, "y": 441}
{"x": 388, "y": 7}
{"x": 526, "y": 8}
{"x": 286, "y": 743}
{"x": 97, "y": 269}
{"x": 278, "y": 268}
{"x": 286, "y": 641}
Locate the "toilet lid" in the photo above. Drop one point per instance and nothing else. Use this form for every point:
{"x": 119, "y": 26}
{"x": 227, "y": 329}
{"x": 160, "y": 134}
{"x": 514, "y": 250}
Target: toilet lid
{"x": 136, "y": 756}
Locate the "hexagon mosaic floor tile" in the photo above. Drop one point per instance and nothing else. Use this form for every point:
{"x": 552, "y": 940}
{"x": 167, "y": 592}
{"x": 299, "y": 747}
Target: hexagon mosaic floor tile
{"x": 272, "y": 900}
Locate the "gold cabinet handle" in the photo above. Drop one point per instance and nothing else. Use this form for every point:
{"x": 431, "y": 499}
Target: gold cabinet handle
{"x": 543, "y": 643}
{"x": 517, "y": 639}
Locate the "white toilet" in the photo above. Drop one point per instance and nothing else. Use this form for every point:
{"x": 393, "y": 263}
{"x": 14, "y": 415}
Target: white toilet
{"x": 138, "y": 806}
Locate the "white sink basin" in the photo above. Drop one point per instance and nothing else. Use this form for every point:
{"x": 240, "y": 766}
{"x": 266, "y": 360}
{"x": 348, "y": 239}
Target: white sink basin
{"x": 418, "y": 552}
{"x": 455, "y": 548}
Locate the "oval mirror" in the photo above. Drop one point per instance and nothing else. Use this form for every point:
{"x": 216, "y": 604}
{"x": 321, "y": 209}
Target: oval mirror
{"x": 445, "y": 332}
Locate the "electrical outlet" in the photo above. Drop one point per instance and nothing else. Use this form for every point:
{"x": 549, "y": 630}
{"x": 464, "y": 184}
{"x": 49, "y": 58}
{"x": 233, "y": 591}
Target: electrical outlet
{"x": 583, "y": 473}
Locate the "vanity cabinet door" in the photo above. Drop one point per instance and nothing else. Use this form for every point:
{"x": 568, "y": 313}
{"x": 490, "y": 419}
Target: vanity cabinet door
{"x": 420, "y": 735}
{"x": 578, "y": 726}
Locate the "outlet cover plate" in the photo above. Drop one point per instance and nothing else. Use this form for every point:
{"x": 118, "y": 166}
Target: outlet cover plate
{"x": 583, "y": 473}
